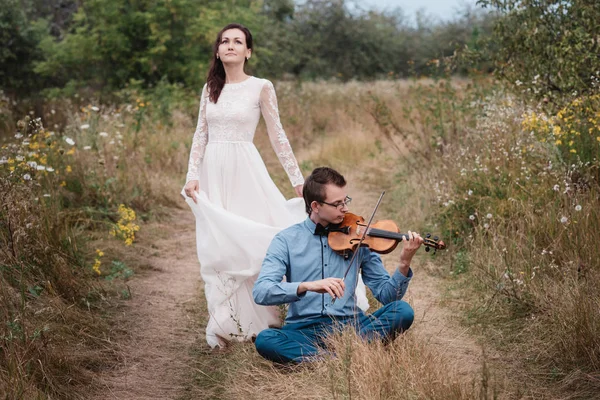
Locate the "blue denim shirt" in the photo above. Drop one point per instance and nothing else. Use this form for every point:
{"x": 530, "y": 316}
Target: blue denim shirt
{"x": 299, "y": 255}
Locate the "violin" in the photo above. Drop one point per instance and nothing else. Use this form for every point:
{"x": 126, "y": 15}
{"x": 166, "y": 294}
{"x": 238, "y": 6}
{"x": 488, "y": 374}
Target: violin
{"x": 382, "y": 237}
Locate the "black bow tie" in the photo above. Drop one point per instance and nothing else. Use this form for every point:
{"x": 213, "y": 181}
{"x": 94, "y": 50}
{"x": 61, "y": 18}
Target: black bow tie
{"x": 321, "y": 230}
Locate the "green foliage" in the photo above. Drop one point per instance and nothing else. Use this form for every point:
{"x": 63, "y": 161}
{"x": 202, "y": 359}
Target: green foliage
{"x": 99, "y": 45}
{"x": 334, "y": 38}
{"x": 19, "y": 51}
{"x": 118, "y": 270}
{"x": 111, "y": 43}
{"x": 548, "y": 49}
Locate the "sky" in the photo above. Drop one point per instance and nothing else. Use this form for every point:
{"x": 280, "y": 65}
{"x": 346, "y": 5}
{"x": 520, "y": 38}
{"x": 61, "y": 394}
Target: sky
{"x": 442, "y": 9}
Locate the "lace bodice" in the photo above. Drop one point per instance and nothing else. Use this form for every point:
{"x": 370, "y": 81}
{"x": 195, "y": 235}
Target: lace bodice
{"x": 234, "y": 119}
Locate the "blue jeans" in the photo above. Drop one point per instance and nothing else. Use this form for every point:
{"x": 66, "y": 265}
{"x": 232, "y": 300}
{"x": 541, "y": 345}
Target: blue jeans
{"x": 296, "y": 342}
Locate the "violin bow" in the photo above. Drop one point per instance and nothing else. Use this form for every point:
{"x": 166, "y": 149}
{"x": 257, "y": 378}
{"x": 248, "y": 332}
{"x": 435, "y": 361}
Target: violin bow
{"x": 354, "y": 253}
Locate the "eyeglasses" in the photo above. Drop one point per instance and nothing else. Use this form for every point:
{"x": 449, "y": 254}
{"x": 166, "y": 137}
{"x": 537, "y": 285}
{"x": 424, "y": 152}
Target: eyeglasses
{"x": 339, "y": 205}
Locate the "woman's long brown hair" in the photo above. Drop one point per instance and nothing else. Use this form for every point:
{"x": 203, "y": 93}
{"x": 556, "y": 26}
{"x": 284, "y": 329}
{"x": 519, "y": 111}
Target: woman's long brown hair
{"x": 216, "y": 74}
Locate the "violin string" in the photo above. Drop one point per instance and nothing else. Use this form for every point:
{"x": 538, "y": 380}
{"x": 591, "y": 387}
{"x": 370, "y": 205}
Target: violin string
{"x": 364, "y": 233}
{"x": 354, "y": 253}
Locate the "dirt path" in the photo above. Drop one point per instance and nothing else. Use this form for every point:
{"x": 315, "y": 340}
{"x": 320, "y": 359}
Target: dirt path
{"x": 436, "y": 325}
{"x": 159, "y": 320}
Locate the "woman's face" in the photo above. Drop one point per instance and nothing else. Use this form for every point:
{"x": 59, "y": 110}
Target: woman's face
{"x": 233, "y": 48}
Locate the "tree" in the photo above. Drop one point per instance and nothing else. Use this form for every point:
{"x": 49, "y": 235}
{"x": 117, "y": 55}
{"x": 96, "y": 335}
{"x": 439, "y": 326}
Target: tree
{"x": 20, "y": 38}
{"x": 550, "y": 48}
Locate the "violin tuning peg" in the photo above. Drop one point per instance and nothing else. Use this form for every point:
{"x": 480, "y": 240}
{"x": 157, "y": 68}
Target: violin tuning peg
{"x": 427, "y": 249}
{"x": 436, "y": 238}
{"x": 428, "y": 235}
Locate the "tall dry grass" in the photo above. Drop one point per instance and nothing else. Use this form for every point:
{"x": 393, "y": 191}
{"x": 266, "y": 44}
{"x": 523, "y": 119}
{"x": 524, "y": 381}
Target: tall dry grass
{"x": 526, "y": 221}
{"x": 405, "y": 369}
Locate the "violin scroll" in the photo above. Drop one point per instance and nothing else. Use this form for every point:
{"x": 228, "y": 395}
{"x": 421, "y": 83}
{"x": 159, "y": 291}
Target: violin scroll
{"x": 433, "y": 243}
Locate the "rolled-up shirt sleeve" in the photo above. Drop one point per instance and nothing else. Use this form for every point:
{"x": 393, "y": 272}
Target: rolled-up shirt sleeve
{"x": 270, "y": 288}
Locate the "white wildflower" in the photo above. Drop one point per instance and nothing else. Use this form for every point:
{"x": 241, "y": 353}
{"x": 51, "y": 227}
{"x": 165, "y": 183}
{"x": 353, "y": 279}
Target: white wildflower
{"x": 556, "y": 188}
{"x": 49, "y": 169}
{"x": 564, "y": 220}
{"x": 578, "y": 207}
{"x": 69, "y": 141}
{"x": 27, "y": 177}
{"x": 18, "y": 136}
{"x": 488, "y": 216}
{"x": 84, "y": 127}
{"x": 470, "y": 192}
{"x": 471, "y": 217}
{"x": 32, "y": 164}
{"x": 94, "y": 108}
{"x": 87, "y": 147}
{"x": 46, "y": 195}
{"x": 40, "y": 168}
{"x": 103, "y": 134}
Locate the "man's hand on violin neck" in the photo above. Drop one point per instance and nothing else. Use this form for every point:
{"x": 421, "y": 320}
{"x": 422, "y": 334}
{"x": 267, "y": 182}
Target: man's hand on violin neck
{"x": 334, "y": 286}
{"x": 409, "y": 248}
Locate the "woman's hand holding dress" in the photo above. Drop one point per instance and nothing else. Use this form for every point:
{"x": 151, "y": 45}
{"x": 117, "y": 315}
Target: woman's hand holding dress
{"x": 192, "y": 187}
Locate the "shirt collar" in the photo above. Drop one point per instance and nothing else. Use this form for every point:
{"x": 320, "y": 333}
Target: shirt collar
{"x": 310, "y": 225}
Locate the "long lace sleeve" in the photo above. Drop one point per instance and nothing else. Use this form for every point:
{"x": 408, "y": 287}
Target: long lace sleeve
{"x": 199, "y": 141}
{"x": 279, "y": 140}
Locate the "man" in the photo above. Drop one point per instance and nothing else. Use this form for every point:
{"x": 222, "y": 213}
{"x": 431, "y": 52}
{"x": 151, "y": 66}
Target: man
{"x": 319, "y": 299}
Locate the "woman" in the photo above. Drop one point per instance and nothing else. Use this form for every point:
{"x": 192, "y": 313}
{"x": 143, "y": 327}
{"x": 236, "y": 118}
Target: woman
{"x": 238, "y": 207}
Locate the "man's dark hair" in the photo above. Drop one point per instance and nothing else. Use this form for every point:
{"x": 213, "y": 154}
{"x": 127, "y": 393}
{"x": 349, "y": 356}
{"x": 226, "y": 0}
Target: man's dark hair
{"x": 314, "y": 186}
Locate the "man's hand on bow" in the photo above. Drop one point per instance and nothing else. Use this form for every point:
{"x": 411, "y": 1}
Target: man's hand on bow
{"x": 334, "y": 286}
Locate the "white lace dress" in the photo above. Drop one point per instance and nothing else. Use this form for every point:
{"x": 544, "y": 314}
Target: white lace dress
{"x": 239, "y": 207}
